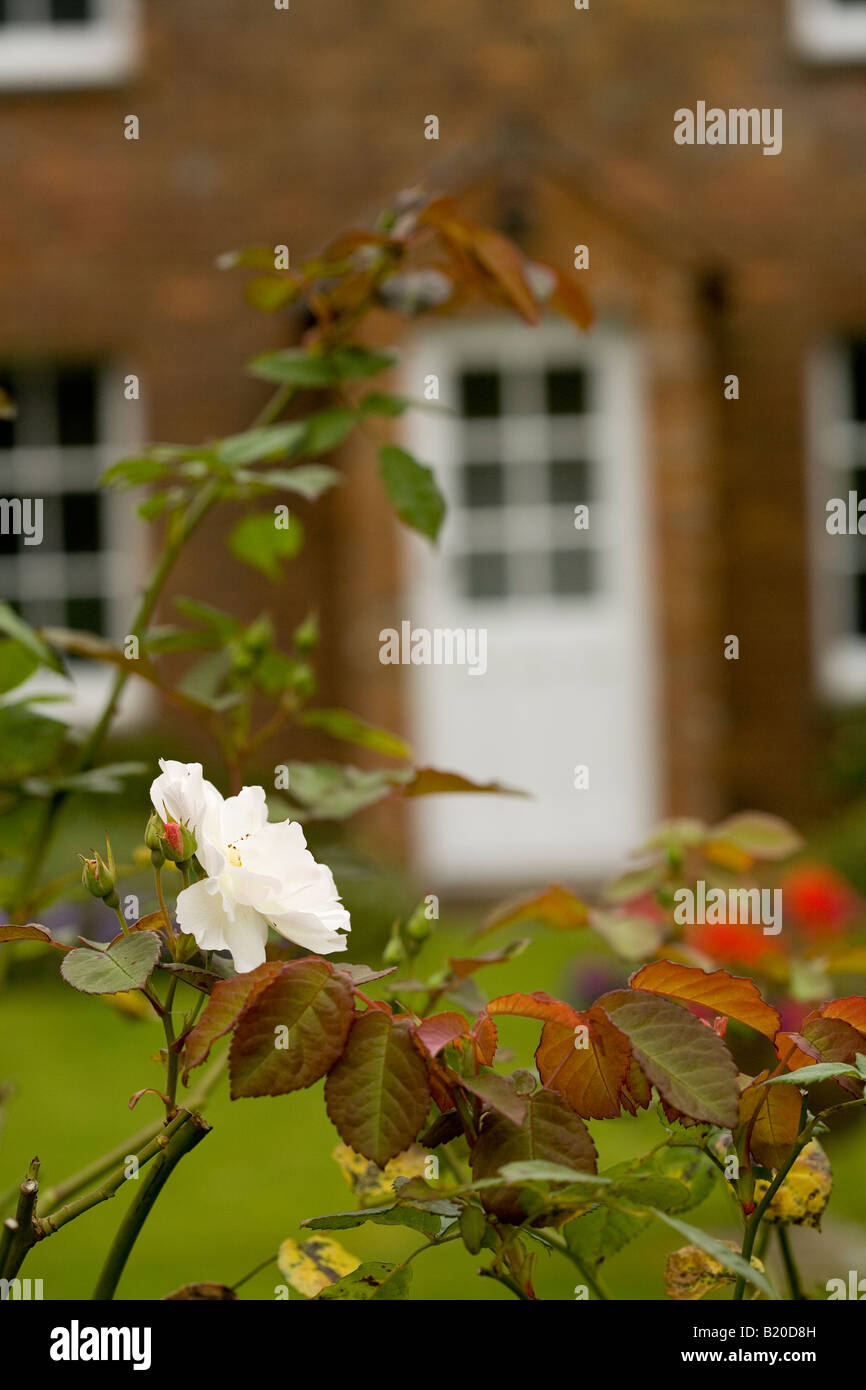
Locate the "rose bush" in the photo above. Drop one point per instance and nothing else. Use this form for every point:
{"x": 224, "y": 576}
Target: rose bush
{"x": 246, "y": 969}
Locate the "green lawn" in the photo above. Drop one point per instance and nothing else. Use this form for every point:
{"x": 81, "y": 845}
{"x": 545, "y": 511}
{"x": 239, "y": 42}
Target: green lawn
{"x": 74, "y": 1061}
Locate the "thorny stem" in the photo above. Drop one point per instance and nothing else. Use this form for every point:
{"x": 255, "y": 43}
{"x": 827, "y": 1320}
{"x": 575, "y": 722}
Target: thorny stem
{"x": 754, "y": 1221}
{"x": 253, "y": 1272}
{"x": 593, "y": 1281}
{"x": 791, "y": 1271}
{"x": 502, "y": 1278}
{"x": 112, "y": 1184}
{"x": 190, "y": 1132}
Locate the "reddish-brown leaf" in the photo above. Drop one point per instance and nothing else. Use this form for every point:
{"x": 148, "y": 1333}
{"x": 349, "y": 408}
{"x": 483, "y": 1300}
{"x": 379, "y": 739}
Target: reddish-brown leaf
{"x": 537, "y": 1005}
{"x": 378, "y": 1094}
{"x": 551, "y": 1131}
{"x": 554, "y": 907}
{"x": 589, "y": 1078}
{"x": 851, "y": 1010}
{"x": 774, "y": 1115}
{"x": 436, "y": 1032}
{"x": 833, "y": 1039}
{"x": 637, "y": 1092}
{"x": 30, "y": 932}
{"x": 570, "y": 300}
{"x": 227, "y": 1002}
{"x": 731, "y": 995}
{"x": 485, "y": 1039}
{"x": 292, "y": 1031}
{"x": 687, "y": 1063}
{"x": 790, "y": 1050}
{"x": 430, "y": 781}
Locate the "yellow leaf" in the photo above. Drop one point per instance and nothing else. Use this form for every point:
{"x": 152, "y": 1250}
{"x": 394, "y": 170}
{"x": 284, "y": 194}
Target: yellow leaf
{"x": 690, "y": 1272}
{"x": 368, "y": 1181}
{"x": 130, "y": 1002}
{"x": 804, "y": 1194}
{"x": 311, "y": 1265}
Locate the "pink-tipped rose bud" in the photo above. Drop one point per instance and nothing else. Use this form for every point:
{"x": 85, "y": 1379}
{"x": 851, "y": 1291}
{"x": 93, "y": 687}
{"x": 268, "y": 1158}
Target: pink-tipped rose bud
{"x": 177, "y": 842}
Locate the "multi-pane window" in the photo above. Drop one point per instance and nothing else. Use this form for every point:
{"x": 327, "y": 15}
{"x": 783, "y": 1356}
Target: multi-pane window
{"x": 838, "y": 417}
{"x": 51, "y": 456}
{"x": 47, "y": 11}
{"x": 525, "y": 463}
{"x": 830, "y": 30}
{"x": 66, "y": 43}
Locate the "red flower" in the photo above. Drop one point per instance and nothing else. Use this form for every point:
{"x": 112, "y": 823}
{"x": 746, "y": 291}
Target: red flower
{"x": 817, "y": 899}
{"x": 733, "y": 941}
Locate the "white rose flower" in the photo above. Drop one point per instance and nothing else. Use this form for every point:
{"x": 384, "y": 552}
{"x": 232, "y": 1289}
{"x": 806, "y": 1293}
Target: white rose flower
{"x": 260, "y": 874}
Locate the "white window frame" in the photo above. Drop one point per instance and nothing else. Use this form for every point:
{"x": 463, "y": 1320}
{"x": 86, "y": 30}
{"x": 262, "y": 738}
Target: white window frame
{"x": 34, "y": 472}
{"x": 836, "y": 442}
{"x": 613, "y": 415}
{"x": 101, "y": 52}
{"x": 827, "y": 31}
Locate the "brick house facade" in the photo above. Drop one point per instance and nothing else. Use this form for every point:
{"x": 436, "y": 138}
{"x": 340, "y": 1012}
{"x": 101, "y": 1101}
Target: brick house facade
{"x": 264, "y": 125}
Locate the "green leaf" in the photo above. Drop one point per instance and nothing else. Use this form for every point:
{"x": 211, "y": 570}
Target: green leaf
{"x": 307, "y": 480}
{"x": 807, "y": 1076}
{"x": 260, "y": 543}
{"x": 378, "y": 403}
{"x": 269, "y": 293}
{"x": 292, "y": 1032}
{"x": 222, "y": 623}
{"x": 377, "y": 1094}
{"x": 541, "y": 1170}
{"x": 731, "y": 1259}
{"x": 412, "y": 489}
{"x": 134, "y": 472}
{"x": 688, "y": 1064}
{"x": 17, "y": 664}
{"x": 165, "y": 500}
{"x": 326, "y": 430}
{"x": 298, "y": 367}
{"x": 31, "y": 742}
{"x": 127, "y": 963}
{"x": 13, "y": 626}
{"x": 341, "y": 724}
{"x": 758, "y": 835}
{"x": 416, "y": 1218}
{"x": 265, "y": 442}
{"x": 602, "y": 1232}
{"x": 331, "y": 791}
{"x": 370, "y": 1281}
{"x": 107, "y": 780}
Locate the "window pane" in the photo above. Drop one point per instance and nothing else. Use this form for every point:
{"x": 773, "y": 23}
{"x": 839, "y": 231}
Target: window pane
{"x": 480, "y": 394}
{"x": 7, "y": 427}
{"x": 565, "y": 392}
{"x": 10, "y": 539}
{"x": 71, "y": 11}
{"x": 483, "y": 485}
{"x": 81, "y": 522}
{"x": 573, "y": 571}
{"x": 76, "y": 406}
{"x": 569, "y": 480}
{"x": 86, "y": 613}
{"x": 486, "y": 575}
{"x": 857, "y": 368}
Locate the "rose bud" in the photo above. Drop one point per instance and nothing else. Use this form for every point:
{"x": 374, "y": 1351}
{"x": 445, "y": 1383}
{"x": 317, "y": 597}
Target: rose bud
{"x": 177, "y": 842}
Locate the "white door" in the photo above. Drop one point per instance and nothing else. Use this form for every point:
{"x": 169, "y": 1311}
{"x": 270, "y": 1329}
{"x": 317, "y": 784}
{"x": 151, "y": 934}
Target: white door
{"x": 538, "y": 423}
